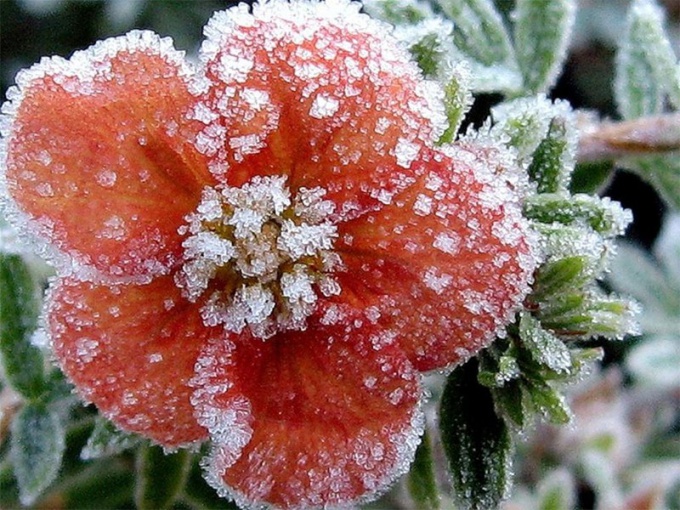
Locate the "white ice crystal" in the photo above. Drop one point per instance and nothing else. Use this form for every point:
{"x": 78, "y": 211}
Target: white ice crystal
{"x": 262, "y": 254}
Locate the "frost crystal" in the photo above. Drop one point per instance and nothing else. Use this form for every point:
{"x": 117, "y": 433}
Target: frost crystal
{"x": 262, "y": 255}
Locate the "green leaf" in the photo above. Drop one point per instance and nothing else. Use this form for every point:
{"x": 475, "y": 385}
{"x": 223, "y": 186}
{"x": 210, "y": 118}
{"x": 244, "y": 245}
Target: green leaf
{"x": 397, "y": 12}
{"x": 601, "y": 214}
{"x": 479, "y": 30}
{"x": 548, "y": 401}
{"x": 457, "y": 100}
{"x": 591, "y": 178}
{"x": 38, "y": 444}
{"x": 22, "y": 363}
{"x": 509, "y": 400}
{"x": 526, "y": 122}
{"x": 552, "y": 160}
{"x": 646, "y": 68}
{"x": 160, "y": 477}
{"x": 544, "y": 347}
{"x": 476, "y": 441}
{"x": 556, "y": 276}
{"x": 654, "y": 362}
{"x": 542, "y": 32}
{"x": 421, "y": 480}
{"x": 107, "y": 440}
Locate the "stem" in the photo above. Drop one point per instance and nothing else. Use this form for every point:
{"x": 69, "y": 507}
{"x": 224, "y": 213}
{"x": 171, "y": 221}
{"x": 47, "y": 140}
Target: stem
{"x": 638, "y": 137}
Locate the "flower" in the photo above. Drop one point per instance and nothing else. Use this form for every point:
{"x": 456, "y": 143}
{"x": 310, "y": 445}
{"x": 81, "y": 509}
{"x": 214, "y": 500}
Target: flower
{"x": 266, "y": 250}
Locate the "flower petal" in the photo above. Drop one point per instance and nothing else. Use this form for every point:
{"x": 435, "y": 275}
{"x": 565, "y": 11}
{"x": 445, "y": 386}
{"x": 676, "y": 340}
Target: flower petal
{"x": 97, "y": 153}
{"x": 131, "y": 350}
{"x": 325, "y": 96}
{"x": 324, "y": 417}
{"x": 448, "y": 262}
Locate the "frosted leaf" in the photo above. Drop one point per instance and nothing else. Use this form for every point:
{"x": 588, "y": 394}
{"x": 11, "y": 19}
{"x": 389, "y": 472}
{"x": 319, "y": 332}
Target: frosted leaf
{"x": 525, "y": 122}
{"x": 542, "y": 34}
{"x": 646, "y": 70}
{"x": 655, "y": 361}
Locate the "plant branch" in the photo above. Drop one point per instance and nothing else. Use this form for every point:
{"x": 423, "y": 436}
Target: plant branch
{"x": 638, "y": 137}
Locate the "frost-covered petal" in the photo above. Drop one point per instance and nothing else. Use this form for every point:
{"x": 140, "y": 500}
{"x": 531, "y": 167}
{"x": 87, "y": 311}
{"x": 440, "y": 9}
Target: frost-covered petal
{"x": 448, "y": 261}
{"x": 96, "y": 153}
{"x": 131, "y": 350}
{"x": 325, "y": 96}
{"x": 324, "y": 417}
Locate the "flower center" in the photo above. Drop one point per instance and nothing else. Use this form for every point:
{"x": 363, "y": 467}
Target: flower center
{"x": 263, "y": 256}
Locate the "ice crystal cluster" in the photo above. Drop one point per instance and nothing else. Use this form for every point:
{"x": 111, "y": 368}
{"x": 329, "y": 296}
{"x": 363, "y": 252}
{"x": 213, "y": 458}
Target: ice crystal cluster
{"x": 260, "y": 253}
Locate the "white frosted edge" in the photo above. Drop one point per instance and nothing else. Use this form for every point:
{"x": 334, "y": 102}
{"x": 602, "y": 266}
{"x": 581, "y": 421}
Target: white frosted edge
{"x": 82, "y": 68}
{"x": 407, "y": 441}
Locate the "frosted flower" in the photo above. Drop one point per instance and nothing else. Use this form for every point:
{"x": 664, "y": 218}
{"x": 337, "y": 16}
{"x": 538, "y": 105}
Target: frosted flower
{"x": 265, "y": 251}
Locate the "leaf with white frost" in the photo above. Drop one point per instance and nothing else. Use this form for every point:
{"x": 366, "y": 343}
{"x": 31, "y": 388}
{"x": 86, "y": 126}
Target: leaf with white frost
{"x": 480, "y": 31}
{"x": 524, "y": 123}
{"x": 544, "y": 347}
{"x": 22, "y": 363}
{"x": 37, "y": 448}
{"x": 553, "y": 160}
{"x": 476, "y": 441}
{"x": 106, "y": 440}
{"x": 655, "y": 361}
{"x": 646, "y": 68}
{"x": 542, "y": 32}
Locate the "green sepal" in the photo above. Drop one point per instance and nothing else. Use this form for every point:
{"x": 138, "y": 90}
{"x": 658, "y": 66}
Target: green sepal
{"x": 479, "y": 30}
{"x": 37, "y": 449}
{"x": 548, "y": 401}
{"x": 160, "y": 477}
{"x": 557, "y": 276}
{"x": 542, "y": 32}
{"x": 591, "y": 315}
{"x": 22, "y": 362}
{"x": 476, "y": 441}
{"x": 509, "y": 401}
{"x": 106, "y": 440}
{"x": 545, "y": 348}
{"x": 421, "y": 482}
{"x": 549, "y": 167}
{"x": 602, "y": 215}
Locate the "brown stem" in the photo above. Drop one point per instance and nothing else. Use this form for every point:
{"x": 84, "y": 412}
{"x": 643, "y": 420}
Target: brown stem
{"x": 638, "y": 137}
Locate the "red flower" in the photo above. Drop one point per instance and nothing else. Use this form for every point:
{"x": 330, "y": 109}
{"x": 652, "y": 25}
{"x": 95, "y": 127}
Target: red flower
{"x": 265, "y": 251}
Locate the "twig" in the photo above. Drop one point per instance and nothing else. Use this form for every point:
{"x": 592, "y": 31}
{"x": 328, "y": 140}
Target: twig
{"x": 639, "y": 137}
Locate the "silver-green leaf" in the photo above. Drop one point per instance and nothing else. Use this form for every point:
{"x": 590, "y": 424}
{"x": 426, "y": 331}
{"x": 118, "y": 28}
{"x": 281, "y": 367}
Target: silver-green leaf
{"x": 37, "y": 449}
{"x": 542, "y": 33}
{"x": 476, "y": 441}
